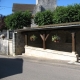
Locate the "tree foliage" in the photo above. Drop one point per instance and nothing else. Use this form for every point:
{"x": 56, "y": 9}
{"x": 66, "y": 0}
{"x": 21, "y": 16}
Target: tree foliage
{"x": 64, "y": 14}
{"x": 2, "y": 24}
{"x": 18, "y": 19}
{"x": 26, "y": 18}
{"x": 43, "y": 18}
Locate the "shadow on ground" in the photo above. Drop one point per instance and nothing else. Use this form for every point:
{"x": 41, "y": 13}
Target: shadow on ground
{"x": 9, "y": 67}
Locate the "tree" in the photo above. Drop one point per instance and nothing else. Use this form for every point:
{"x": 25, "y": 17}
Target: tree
{"x": 60, "y": 15}
{"x": 64, "y": 14}
{"x": 43, "y": 18}
{"x": 18, "y": 19}
{"x": 26, "y": 18}
{"x": 2, "y": 24}
{"x": 39, "y": 19}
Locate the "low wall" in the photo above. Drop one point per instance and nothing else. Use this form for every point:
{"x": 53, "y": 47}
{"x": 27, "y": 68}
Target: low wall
{"x": 4, "y": 46}
{"x": 50, "y": 54}
{"x": 18, "y": 43}
{"x": 10, "y": 52}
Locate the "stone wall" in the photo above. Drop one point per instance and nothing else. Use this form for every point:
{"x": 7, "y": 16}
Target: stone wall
{"x": 6, "y": 43}
{"x": 48, "y": 4}
{"x": 50, "y": 54}
{"x": 10, "y": 52}
{"x": 13, "y": 46}
{"x": 43, "y": 5}
{"x": 18, "y": 43}
{"x": 4, "y": 46}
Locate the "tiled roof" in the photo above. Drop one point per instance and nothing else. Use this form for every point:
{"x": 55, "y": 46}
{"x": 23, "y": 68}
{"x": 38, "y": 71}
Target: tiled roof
{"x": 64, "y": 26}
{"x": 23, "y": 7}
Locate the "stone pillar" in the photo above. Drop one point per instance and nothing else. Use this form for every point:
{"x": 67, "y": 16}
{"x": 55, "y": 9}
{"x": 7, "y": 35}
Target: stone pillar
{"x": 18, "y": 43}
{"x": 73, "y": 43}
{"x": 26, "y": 39}
{"x": 7, "y": 34}
{"x": 74, "y": 46}
{"x": 33, "y": 24}
{"x": 13, "y": 44}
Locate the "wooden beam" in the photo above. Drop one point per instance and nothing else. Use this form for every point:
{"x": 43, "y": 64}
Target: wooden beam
{"x": 44, "y": 42}
{"x": 73, "y": 42}
{"x": 26, "y": 39}
{"x": 44, "y": 38}
{"x": 47, "y": 37}
{"x": 41, "y": 36}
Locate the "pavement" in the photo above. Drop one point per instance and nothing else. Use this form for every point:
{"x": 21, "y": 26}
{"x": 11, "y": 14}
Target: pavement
{"x": 32, "y": 68}
{"x": 41, "y": 60}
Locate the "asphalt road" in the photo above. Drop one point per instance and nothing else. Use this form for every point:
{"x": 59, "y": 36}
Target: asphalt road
{"x": 36, "y": 69}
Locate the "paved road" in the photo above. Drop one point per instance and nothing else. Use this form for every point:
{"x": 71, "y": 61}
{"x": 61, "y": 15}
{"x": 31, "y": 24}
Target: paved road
{"x": 37, "y": 69}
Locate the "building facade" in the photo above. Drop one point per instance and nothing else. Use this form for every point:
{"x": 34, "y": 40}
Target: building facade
{"x": 42, "y": 5}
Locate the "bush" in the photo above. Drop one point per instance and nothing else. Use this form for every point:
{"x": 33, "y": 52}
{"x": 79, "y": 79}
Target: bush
{"x": 26, "y": 18}
{"x": 64, "y": 14}
{"x": 59, "y": 15}
{"x": 43, "y": 18}
{"x": 18, "y": 19}
{"x": 39, "y": 19}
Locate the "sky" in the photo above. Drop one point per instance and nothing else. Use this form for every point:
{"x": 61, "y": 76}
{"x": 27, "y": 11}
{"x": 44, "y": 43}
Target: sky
{"x": 6, "y": 5}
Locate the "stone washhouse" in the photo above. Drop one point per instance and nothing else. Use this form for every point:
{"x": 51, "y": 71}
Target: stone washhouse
{"x": 67, "y": 48}
{"x": 38, "y": 41}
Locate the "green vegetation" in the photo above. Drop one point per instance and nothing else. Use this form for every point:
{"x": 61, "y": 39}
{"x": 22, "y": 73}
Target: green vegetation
{"x": 55, "y": 38}
{"x": 62, "y": 14}
{"x": 43, "y": 18}
{"x": 18, "y": 19}
{"x": 70, "y": 13}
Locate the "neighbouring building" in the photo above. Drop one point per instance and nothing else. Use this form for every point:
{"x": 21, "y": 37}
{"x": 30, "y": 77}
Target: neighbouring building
{"x": 40, "y": 5}
{"x": 23, "y": 7}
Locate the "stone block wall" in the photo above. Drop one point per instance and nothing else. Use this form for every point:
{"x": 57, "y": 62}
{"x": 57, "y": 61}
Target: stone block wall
{"x": 50, "y": 54}
{"x": 42, "y": 5}
{"x": 47, "y": 4}
{"x": 10, "y": 52}
{"x": 18, "y": 43}
{"x": 4, "y": 46}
